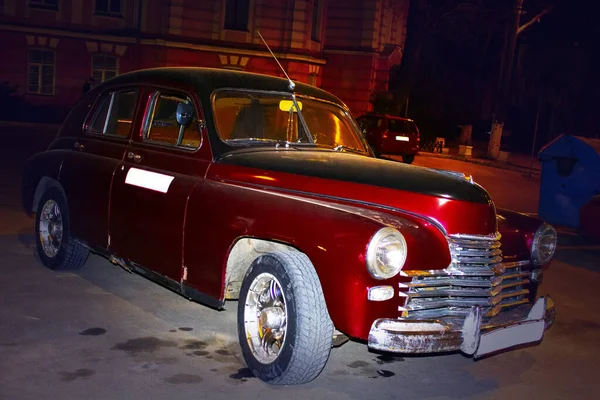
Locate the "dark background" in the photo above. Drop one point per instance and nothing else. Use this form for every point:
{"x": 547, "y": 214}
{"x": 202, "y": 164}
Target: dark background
{"x": 452, "y": 61}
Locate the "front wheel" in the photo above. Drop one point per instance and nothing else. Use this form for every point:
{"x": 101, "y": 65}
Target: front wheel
{"x": 284, "y": 328}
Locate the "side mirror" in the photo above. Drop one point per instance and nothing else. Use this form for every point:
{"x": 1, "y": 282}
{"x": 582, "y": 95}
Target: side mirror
{"x": 184, "y": 113}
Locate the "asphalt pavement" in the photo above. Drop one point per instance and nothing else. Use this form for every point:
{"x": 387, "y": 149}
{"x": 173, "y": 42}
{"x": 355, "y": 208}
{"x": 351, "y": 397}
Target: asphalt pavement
{"x": 103, "y": 333}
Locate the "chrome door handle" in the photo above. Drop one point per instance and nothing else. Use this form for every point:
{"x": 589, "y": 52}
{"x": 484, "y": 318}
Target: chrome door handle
{"x": 135, "y": 157}
{"x": 78, "y": 146}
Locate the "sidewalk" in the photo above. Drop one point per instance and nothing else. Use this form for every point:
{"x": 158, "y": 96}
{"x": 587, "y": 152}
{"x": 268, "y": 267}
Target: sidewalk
{"x": 516, "y": 162}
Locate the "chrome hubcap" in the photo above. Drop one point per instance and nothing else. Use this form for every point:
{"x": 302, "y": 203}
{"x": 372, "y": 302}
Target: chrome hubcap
{"x": 265, "y": 318}
{"x": 51, "y": 228}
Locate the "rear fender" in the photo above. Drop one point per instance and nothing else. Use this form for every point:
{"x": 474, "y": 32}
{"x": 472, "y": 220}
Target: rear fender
{"x": 39, "y": 171}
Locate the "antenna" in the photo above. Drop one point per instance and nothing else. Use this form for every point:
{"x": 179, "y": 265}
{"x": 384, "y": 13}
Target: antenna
{"x": 292, "y": 84}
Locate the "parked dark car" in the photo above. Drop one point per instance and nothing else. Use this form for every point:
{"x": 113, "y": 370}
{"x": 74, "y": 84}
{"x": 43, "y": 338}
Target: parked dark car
{"x": 224, "y": 185}
{"x": 389, "y": 134}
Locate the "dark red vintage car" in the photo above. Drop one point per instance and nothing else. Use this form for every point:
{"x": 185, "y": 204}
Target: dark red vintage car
{"x": 390, "y": 134}
{"x": 225, "y": 185}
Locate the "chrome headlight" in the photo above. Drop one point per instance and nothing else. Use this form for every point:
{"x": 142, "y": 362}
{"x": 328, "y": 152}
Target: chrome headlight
{"x": 543, "y": 245}
{"x": 386, "y": 253}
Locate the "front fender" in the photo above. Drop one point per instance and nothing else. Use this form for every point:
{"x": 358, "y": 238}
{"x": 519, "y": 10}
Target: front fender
{"x": 332, "y": 234}
{"x": 517, "y": 232}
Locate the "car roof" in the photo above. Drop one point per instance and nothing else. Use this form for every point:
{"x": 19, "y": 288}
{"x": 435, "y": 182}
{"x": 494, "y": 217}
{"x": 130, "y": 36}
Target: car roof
{"x": 206, "y": 80}
{"x": 387, "y": 116}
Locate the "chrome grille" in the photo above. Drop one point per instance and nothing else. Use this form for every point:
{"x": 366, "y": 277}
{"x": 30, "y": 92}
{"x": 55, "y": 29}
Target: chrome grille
{"x": 476, "y": 276}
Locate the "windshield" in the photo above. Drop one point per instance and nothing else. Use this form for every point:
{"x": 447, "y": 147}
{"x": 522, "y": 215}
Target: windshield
{"x": 261, "y": 117}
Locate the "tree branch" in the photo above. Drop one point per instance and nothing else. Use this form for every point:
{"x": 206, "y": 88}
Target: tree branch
{"x": 534, "y": 19}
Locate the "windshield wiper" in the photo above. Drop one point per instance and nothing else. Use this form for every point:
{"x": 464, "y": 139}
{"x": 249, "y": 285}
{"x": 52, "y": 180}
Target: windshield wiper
{"x": 341, "y": 147}
{"x": 277, "y": 142}
{"x": 257, "y": 140}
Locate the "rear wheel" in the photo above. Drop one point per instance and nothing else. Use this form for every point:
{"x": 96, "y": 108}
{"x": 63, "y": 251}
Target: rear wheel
{"x": 56, "y": 249}
{"x": 283, "y": 325}
{"x": 408, "y": 159}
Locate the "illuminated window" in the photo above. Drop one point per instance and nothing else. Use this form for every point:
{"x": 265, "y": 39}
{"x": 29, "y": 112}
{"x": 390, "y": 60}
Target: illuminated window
{"x": 236, "y": 15}
{"x": 104, "y": 66}
{"x": 108, "y": 7}
{"x": 40, "y": 72}
{"x": 317, "y": 18}
{"x": 46, "y": 4}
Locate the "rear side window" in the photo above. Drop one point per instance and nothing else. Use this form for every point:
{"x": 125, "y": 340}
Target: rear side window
{"x": 114, "y": 113}
{"x": 162, "y": 126}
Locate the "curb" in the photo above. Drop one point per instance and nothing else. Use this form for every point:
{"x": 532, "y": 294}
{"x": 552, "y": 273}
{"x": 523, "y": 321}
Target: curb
{"x": 489, "y": 163}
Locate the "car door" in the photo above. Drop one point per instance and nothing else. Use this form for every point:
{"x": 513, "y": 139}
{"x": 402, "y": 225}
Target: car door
{"x": 95, "y": 152}
{"x": 151, "y": 187}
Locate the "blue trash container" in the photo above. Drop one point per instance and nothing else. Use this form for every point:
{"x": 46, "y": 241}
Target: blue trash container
{"x": 570, "y": 178}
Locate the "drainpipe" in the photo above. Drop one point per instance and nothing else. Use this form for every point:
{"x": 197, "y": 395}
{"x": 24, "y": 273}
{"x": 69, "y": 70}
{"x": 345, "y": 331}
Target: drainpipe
{"x": 138, "y": 41}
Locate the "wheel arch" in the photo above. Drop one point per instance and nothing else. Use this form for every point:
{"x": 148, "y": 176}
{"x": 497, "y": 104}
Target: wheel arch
{"x": 242, "y": 254}
{"x": 42, "y": 186}
{"x": 40, "y": 172}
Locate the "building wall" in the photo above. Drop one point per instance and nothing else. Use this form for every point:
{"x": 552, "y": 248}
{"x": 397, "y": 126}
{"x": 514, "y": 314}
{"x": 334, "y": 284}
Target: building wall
{"x": 363, "y": 41}
{"x": 350, "y": 54}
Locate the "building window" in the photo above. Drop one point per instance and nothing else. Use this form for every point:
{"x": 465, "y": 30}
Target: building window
{"x": 45, "y": 4}
{"x": 236, "y": 15}
{"x": 317, "y": 19}
{"x": 108, "y": 7}
{"x": 40, "y": 72}
{"x": 104, "y": 66}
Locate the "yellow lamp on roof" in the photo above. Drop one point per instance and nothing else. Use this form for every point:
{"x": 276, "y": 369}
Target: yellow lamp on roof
{"x": 288, "y": 105}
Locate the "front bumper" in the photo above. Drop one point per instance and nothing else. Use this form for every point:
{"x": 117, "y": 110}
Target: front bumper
{"x": 522, "y": 325}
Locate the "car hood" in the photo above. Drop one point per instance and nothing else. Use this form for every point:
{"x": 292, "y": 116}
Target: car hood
{"x": 363, "y": 170}
{"x": 451, "y": 201}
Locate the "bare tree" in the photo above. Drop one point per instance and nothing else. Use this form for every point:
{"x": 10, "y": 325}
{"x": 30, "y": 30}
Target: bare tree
{"x": 514, "y": 28}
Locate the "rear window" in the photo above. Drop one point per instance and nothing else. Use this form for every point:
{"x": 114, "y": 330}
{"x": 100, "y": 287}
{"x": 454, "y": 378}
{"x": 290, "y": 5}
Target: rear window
{"x": 403, "y": 126}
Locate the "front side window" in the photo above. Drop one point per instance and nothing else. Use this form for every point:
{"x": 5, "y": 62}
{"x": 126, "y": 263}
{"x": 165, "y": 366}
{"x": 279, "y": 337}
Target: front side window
{"x": 108, "y": 7}
{"x": 104, "y": 66}
{"x": 45, "y": 4}
{"x": 114, "y": 113}
{"x": 265, "y": 117}
{"x": 236, "y": 14}
{"x": 163, "y": 127}
{"x": 40, "y": 71}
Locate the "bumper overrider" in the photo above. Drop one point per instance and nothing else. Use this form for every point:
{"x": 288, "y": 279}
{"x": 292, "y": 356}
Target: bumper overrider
{"x": 474, "y": 336}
